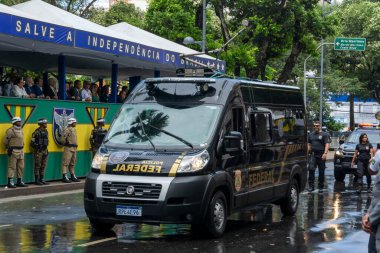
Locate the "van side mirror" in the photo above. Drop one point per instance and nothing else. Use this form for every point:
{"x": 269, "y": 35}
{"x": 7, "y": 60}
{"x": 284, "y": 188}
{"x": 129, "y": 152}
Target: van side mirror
{"x": 341, "y": 142}
{"x": 233, "y": 143}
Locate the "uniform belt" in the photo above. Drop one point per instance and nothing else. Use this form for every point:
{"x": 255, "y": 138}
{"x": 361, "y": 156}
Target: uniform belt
{"x": 17, "y": 147}
{"x": 71, "y": 145}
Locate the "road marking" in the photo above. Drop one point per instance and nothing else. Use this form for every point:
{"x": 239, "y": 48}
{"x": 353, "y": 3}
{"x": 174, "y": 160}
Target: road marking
{"x": 3, "y": 226}
{"x": 98, "y": 241}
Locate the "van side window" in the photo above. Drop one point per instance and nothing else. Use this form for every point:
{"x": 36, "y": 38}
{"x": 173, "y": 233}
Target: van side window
{"x": 261, "y": 127}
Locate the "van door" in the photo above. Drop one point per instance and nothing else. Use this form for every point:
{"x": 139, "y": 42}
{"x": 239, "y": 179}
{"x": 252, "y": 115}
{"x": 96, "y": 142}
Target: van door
{"x": 261, "y": 157}
{"x": 236, "y": 165}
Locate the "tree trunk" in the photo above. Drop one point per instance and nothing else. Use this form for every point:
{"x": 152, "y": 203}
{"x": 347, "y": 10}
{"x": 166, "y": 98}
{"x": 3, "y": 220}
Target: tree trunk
{"x": 297, "y": 48}
{"x": 237, "y": 69}
{"x": 352, "y": 113}
{"x": 261, "y": 61}
{"x": 219, "y": 7}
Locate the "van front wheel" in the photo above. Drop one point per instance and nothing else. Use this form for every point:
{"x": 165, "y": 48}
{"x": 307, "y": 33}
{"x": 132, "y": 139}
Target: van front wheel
{"x": 216, "y": 217}
{"x": 289, "y": 204}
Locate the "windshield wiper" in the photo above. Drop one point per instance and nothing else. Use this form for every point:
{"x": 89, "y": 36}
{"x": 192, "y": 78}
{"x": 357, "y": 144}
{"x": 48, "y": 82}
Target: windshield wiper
{"x": 116, "y": 134}
{"x": 173, "y": 135}
{"x": 143, "y": 130}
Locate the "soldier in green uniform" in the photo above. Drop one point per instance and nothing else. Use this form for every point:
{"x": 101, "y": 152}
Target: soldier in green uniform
{"x": 40, "y": 141}
{"x": 14, "y": 142}
{"x": 97, "y": 136}
{"x": 69, "y": 156}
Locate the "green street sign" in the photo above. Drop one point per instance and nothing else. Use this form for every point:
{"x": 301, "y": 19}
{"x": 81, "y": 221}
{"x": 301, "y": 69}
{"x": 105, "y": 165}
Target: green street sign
{"x": 353, "y": 44}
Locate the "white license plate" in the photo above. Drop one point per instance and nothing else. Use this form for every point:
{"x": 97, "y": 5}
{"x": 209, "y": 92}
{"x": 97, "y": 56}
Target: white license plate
{"x": 129, "y": 210}
{"x": 354, "y": 166}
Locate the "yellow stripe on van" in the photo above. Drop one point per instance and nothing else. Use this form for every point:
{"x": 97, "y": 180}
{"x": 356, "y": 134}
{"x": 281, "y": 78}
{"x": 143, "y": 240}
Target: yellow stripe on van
{"x": 174, "y": 168}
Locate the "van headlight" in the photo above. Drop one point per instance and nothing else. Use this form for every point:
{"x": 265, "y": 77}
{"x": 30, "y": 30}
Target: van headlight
{"x": 98, "y": 162}
{"x": 339, "y": 153}
{"x": 194, "y": 163}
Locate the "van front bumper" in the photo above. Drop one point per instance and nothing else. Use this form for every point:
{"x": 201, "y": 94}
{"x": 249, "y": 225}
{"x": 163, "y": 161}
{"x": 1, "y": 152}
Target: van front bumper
{"x": 180, "y": 201}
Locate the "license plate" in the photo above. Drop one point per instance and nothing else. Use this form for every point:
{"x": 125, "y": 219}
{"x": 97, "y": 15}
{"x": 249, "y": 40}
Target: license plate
{"x": 129, "y": 210}
{"x": 354, "y": 166}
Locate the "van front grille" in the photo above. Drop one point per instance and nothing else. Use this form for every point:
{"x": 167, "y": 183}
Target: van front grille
{"x": 131, "y": 190}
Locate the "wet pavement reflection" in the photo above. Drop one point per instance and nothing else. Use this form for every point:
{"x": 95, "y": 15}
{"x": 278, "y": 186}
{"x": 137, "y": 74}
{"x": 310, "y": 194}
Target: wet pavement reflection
{"x": 325, "y": 222}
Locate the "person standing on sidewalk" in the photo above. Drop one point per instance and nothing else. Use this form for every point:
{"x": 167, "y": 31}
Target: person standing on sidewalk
{"x": 371, "y": 220}
{"x": 97, "y": 136}
{"x": 14, "y": 143}
{"x": 318, "y": 146}
{"x": 69, "y": 156}
{"x": 40, "y": 142}
{"x": 364, "y": 153}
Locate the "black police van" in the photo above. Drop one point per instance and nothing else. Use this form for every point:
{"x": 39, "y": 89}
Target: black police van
{"x": 343, "y": 156}
{"x": 195, "y": 149}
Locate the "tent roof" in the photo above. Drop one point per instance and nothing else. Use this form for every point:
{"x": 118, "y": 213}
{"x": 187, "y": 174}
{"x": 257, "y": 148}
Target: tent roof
{"x": 25, "y": 42}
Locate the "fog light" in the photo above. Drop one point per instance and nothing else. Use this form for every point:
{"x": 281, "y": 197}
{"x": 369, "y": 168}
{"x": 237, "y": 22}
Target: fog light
{"x": 189, "y": 217}
{"x": 337, "y": 160}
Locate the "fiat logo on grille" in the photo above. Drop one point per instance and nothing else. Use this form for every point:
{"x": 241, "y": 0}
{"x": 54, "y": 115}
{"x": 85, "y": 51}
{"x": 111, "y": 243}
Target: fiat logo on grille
{"x": 130, "y": 190}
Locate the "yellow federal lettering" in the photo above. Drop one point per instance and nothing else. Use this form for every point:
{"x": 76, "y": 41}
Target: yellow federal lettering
{"x": 129, "y": 167}
{"x": 158, "y": 169}
{"x": 136, "y": 168}
{"x": 122, "y": 167}
{"x": 143, "y": 168}
{"x": 151, "y": 168}
{"x": 116, "y": 168}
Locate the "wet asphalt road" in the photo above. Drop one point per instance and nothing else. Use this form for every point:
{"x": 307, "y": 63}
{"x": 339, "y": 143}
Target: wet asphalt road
{"x": 325, "y": 222}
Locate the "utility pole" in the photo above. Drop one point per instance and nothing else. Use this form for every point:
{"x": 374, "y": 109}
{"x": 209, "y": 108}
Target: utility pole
{"x": 204, "y": 27}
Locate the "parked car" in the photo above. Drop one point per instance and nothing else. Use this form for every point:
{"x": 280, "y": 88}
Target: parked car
{"x": 343, "y": 156}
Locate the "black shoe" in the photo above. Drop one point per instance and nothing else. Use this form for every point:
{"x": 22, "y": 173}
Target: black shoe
{"x": 10, "y": 183}
{"x": 37, "y": 181}
{"x": 65, "y": 179}
{"x": 43, "y": 181}
{"x": 74, "y": 178}
{"x": 20, "y": 183}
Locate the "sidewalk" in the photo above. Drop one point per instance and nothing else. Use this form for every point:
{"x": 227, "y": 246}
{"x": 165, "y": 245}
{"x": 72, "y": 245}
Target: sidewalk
{"x": 52, "y": 187}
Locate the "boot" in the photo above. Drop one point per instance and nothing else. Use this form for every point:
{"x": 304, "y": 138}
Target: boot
{"x": 37, "y": 181}
{"x": 20, "y": 183}
{"x": 10, "y": 183}
{"x": 65, "y": 179}
{"x": 42, "y": 180}
{"x": 74, "y": 178}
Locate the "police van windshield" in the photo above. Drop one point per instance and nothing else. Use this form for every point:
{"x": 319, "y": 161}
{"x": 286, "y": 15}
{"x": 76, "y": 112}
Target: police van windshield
{"x": 373, "y": 136}
{"x": 157, "y": 125}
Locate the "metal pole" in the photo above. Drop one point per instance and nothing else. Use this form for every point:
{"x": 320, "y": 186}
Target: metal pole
{"x": 321, "y": 83}
{"x": 204, "y": 27}
{"x": 304, "y": 80}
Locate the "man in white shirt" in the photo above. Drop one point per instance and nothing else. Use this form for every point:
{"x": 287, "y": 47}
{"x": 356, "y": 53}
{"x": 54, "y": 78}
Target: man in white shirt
{"x": 86, "y": 94}
{"x": 371, "y": 219}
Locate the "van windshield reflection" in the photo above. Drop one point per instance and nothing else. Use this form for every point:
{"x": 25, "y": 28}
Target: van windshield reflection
{"x": 141, "y": 125}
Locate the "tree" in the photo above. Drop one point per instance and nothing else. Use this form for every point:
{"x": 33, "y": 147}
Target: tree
{"x": 360, "y": 70}
{"x": 121, "y": 12}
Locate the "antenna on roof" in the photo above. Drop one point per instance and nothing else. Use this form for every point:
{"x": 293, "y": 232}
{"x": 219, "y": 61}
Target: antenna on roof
{"x": 245, "y": 23}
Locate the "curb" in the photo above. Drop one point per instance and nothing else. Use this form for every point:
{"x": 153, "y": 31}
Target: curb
{"x": 52, "y": 187}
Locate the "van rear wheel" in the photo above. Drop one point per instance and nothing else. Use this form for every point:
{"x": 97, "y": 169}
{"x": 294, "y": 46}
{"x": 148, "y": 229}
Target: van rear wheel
{"x": 289, "y": 204}
{"x": 216, "y": 217}
{"x": 100, "y": 226}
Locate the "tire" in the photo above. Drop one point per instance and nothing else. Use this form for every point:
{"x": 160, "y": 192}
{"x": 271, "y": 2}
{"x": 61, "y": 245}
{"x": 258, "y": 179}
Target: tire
{"x": 216, "y": 216}
{"x": 100, "y": 226}
{"x": 339, "y": 175}
{"x": 289, "y": 204}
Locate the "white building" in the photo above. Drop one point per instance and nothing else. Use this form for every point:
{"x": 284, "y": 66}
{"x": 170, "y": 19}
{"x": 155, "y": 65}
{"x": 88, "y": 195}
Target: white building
{"x": 364, "y": 112}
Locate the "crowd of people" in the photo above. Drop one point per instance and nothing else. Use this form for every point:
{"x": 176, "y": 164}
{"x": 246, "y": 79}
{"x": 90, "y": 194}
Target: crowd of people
{"x": 35, "y": 88}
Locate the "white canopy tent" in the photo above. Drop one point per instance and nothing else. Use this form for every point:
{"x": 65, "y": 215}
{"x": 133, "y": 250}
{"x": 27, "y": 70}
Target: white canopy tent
{"x": 85, "y": 53}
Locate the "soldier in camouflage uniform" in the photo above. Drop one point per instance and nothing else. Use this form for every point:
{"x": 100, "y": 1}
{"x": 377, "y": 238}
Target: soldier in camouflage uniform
{"x": 14, "y": 142}
{"x": 69, "y": 156}
{"x": 40, "y": 143}
{"x": 97, "y": 136}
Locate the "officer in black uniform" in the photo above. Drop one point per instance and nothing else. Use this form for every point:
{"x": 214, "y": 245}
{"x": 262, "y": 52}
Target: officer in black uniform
{"x": 318, "y": 146}
{"x": 40, "y": 142}
{"x": 364, "y": 153}
{"x": 97, "y": 136}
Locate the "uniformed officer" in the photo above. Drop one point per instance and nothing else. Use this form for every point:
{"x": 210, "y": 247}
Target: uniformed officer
{"x": 40, "y": 142}
{"x": 14, "y": 142}
{"x": 97, "y": 136}
{"x": 318, "y": 146}
{"x": 69, "y": 157}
